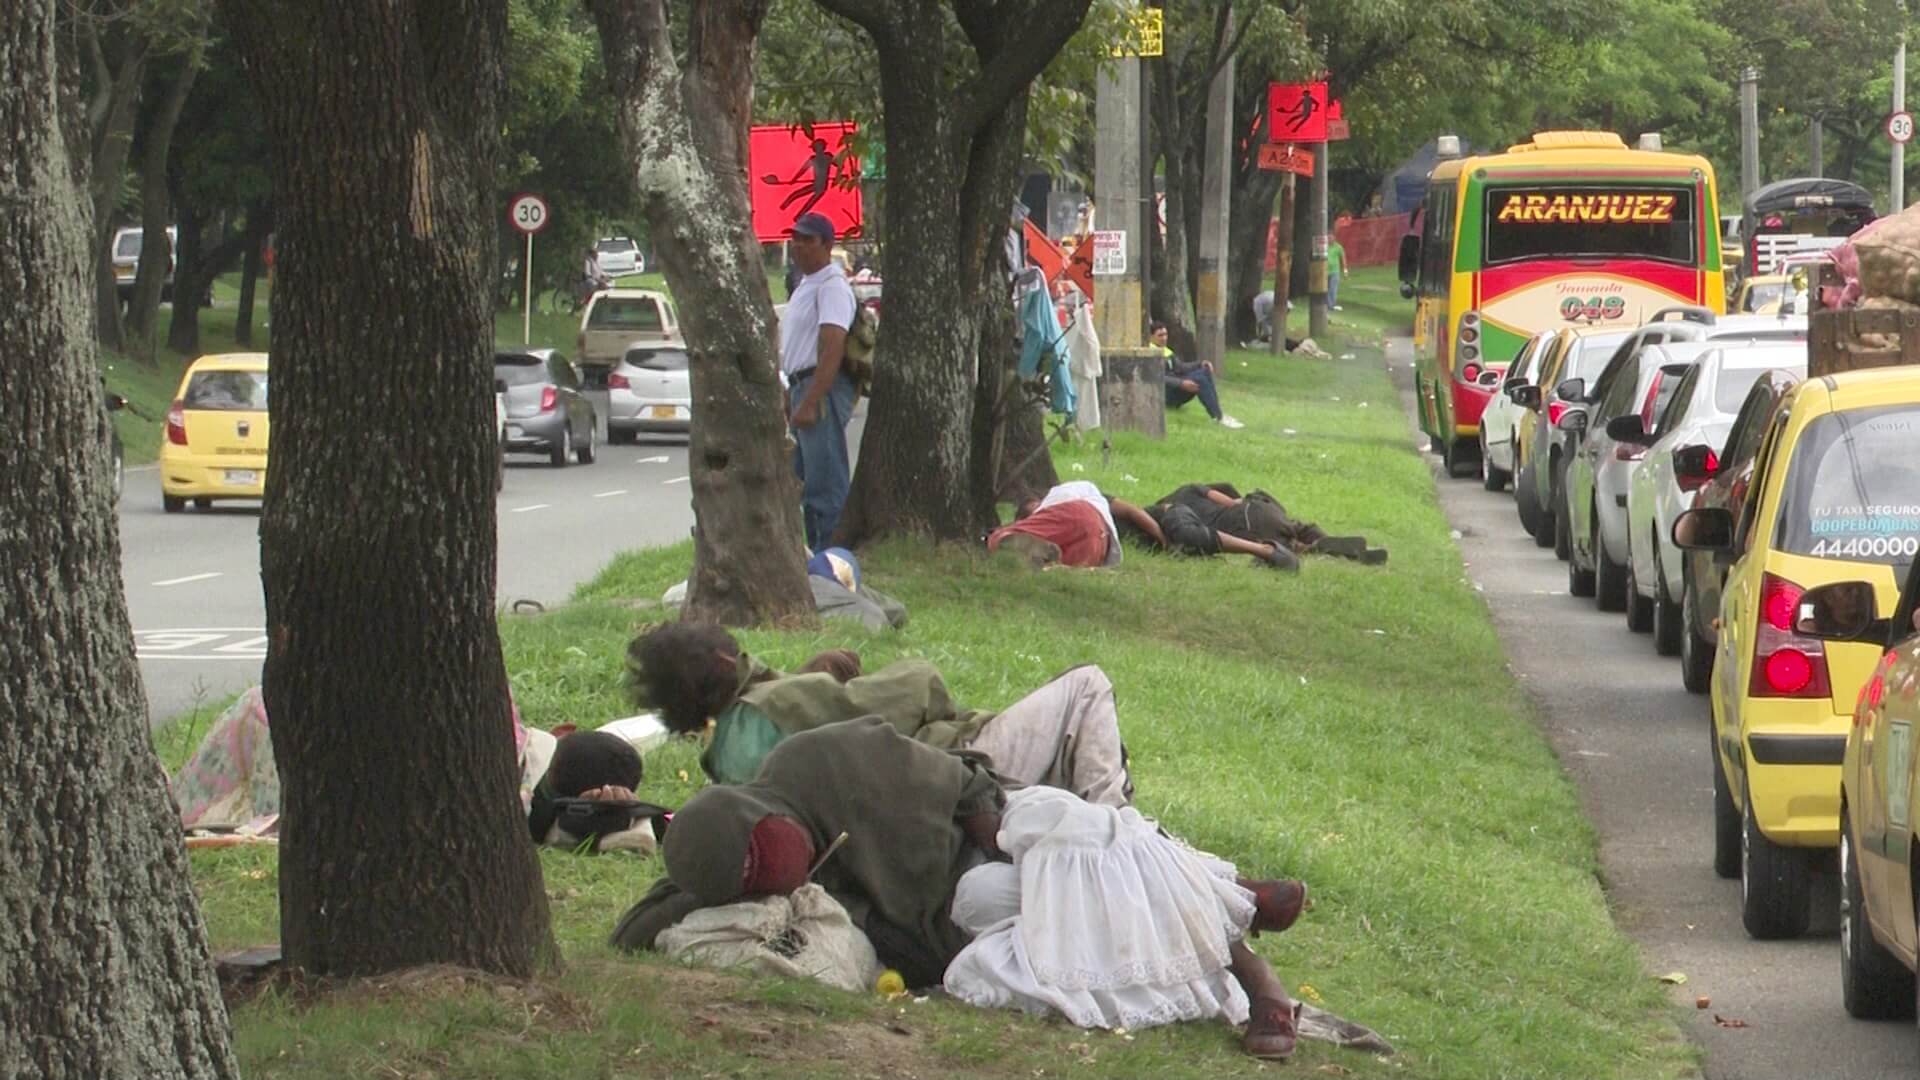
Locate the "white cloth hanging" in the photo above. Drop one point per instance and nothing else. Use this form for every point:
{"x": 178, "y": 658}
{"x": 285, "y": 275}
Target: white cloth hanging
{"x": 1083, "y": 360}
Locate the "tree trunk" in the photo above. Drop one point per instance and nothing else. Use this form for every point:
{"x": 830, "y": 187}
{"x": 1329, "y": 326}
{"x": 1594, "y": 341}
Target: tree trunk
{"x": 402, "y": 838}
{"x": 157, "y": 257}
{"x": 1254, "y": 191}
{"x": 103, "y": 958}
{"x": 259, "y": 226}
{"x": 112, "y": 140}
{"x": 199, "y": 264}
{"x": 685, "y": 135}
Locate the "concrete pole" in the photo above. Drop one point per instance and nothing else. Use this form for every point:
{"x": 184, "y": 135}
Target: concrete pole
{"x": 1210, "y": 290}
{"x": 1317, "y": 260}
{"x": 1749, "y": 131}
{"x": 1119, "y": 299}
{"x": 1897, "y": 182}
{"x": 1816, "y": 153}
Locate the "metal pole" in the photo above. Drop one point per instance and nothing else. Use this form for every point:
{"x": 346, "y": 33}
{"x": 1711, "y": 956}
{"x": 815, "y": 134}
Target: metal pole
{"x": 1816, "y": 152}
{"x": 1317, "y": 261}
{"x": 1749, "y": 131}
{"x": 1897, "y": 182}
{"x": 526, "y": 306}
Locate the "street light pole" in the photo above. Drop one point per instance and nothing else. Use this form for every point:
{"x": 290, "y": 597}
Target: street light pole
{"x": 1897, "y": 182}
{"x": 1750, "y": 130}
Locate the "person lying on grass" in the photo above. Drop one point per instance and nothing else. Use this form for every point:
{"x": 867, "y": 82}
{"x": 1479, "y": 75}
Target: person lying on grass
{"x": 1192, "y": 517}
{"x": 1025, "y": 897}
{"x": 1075, "y": 525}
{"x": 1066, "y": 734}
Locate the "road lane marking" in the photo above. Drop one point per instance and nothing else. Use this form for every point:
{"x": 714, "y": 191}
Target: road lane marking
{"x": 661, "y": 460}
{"x": 524, "y": 509}
{"x": 203, "y": 643}
{"x": 677, "y": 480}
{"x": 185, "y": 580}
{"x": 610, "y": 494}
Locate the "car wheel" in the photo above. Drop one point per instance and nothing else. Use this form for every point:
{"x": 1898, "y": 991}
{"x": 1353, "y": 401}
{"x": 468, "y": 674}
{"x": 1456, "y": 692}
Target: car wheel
{"x": 1546, "y": 535}
{"x": 203, "y": 504}
{"x": 1490, "y": 478}
{"x": 1579, "y": 582}
{"x": 1459, "y": 463}
{"x": 172, "y": 504}
{"x": 1874, "y": 985}
{"x": 1527, "y": 502}
{"x": 1562, "y": 520}
{"x": 1726, "y": 818}
{"x": 562, "y": 449}
{"x": 587, "y": 453}
{"x": 1610, "y": 578}
{"x": 1696, "y": 653}
{"x": 1639, "y": 608}
{"x": 1774, "y": 883}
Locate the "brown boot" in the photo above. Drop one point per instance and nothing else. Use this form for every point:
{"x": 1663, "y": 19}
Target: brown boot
{"x": 1272, "y": 1029}
{"x": 1277, "y": 904}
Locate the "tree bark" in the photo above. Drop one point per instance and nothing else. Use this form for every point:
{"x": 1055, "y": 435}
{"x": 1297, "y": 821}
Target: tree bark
{"x": 1253, "y": 193}
{"x": 103, "y": 958}
{"x": 684, "y": 131}
{"x": 259, "y": 227}
{"x": 198, "y": 264}
{"x": 402, "y": 838}
{"x": 157, "y": 257}
{"x": 950, "y": 190}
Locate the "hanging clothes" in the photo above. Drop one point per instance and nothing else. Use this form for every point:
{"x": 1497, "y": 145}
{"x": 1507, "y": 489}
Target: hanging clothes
{"x": 1083, "y": 360}
{"x": 1041, "y": 349}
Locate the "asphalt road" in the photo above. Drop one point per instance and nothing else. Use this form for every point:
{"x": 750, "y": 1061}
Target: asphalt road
{"x": 1636, "y": 744}
{"x": 193, "y": 578}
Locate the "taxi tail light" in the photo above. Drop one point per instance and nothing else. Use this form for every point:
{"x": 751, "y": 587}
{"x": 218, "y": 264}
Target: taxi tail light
{"x": 617, "y": 381}
{"x": 1784, "y": 663}
{"x": 548, "y": 398}
{"x": 177, "y": 424}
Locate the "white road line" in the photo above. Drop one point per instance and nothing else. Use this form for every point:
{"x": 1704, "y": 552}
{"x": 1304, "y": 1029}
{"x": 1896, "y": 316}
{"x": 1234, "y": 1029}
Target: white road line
{"x": 661, "y": 460}
{"x": 188, "y": 578}
{"x": 141, "y": 468}
{"x": 524, "y": 509}
{"x": 610, "y": 494}
{"x": 677, "y": 480}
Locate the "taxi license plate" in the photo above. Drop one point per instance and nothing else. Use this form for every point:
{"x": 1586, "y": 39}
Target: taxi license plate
{"x": 664, "y": 412}
{"x": 243, "y": 477}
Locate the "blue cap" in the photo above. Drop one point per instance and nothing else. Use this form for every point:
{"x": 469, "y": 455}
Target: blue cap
{"x": 814, "y": 225}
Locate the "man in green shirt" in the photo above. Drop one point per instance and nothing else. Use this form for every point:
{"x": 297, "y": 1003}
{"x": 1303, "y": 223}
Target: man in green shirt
{"x": 1066, "y": 734}
{"x": 1336, "y": 267}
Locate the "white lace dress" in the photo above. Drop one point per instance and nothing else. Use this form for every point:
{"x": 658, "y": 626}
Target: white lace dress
{"x": 1099, "y": 918}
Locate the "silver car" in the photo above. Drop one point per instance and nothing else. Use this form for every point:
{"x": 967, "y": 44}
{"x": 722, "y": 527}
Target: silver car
{"x": 649, "y": 391}
{"x": 546, "y": 411}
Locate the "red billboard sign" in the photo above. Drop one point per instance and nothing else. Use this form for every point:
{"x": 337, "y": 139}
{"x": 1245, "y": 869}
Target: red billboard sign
{"x": 1336, "y": 121}
{"x": 1299, "y": 112}
{"x": 796, "y": 169}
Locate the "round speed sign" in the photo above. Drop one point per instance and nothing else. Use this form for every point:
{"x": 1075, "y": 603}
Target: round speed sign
{"x": 1900, "y": 127}
{"x": 529, "y": 213}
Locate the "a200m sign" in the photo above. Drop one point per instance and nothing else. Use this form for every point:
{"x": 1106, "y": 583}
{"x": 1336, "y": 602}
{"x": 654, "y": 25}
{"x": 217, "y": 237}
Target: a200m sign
{"x": 1610, "y": 208}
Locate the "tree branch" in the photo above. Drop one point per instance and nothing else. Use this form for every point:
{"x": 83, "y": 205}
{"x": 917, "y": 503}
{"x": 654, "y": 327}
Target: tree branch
{"x": 1239, "y": 38}
{"x": 873, "y": 16}
{"x": 1029, "y": 35}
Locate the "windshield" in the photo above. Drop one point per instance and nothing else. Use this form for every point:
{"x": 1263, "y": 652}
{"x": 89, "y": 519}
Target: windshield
{"x": 1764, "y": 295}
{"x": 227, "y": 391}
{"x": 1590, "y": 356}
{"x": 624, "y": 313}
{"x": 520, "y": 371}
{"x": 1589, "y": 221}
{"x": 1853, "y": 491}
{"x": 614, "y": 246}
{"x": 658, "y": 359}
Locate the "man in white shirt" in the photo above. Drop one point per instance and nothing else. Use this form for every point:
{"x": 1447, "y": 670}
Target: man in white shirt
{"x": 813, "y": 338}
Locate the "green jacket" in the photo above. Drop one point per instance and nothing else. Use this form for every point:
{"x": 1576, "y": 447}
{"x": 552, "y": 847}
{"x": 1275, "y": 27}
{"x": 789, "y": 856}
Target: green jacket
{"x": 908, "y": 694}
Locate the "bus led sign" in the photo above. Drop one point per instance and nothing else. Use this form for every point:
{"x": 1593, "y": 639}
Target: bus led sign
{"x": 1599, "y": 208}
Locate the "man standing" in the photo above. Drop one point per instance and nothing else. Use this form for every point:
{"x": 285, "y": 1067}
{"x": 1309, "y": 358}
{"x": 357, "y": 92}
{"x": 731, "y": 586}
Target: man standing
{"x": 1336, "y": 266}
{"x": 813, "y": 339}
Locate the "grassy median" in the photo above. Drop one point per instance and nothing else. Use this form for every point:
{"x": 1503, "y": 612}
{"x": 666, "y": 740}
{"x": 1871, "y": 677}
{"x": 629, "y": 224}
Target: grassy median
{"x": 1353, "y": 726}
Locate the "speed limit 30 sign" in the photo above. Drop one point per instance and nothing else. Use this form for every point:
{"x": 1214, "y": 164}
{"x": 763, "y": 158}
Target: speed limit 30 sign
{"x": 528, "y": 213}
{"x": 1900, "y": 127}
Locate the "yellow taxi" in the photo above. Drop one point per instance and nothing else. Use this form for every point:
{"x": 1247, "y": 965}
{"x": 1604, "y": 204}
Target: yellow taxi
{"x": 1879, "y": 839}
{"x": 1762, "y": 294}
{"x": 1835, "y": 496}
{"x": 216, "y": 440}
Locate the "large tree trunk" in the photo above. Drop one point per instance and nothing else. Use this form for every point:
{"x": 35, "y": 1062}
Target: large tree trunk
{"x": 199, "y": 264}
{"x": 1254, "y": 192}
{"x": 259, "y": 226}
{"x": 685, "y": 135}
{"x": 157, "y": 257}
{"x": 103, "y": 958}
{"x": 402, "y": 838}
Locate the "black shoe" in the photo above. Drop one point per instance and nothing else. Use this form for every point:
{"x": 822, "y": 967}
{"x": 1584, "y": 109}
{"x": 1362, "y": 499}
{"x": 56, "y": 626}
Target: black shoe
{"x": 1346, "y": 547}
{"x": 1280, "y": 557}
{"x": 1374, "y": 557}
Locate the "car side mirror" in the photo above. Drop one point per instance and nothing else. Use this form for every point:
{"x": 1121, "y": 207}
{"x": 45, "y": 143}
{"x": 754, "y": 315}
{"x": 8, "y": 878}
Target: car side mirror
{"x": 1841, "y": 611}
{"x": 1571, "y": 390}
{"x": 1573, "y": 421}
{"x": 115, "y": 402}
{"x": 1694, "y": 465}
{"x": 1490, "y": 377}
{"x": 1704, "y": 528}
{"x": 1627, "y": 429}
{"x": 1525, "y": 395}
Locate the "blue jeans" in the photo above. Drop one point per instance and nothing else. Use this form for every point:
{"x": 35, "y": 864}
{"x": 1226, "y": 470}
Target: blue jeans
{"x": 1333, "y": 289}
{"x": 820, "y": 458}
{"x": 1209, "y": 396}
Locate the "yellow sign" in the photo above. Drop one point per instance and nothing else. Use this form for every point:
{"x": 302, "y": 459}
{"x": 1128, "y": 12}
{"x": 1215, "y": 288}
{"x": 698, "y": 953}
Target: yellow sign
{"x": 1146, "y": 36}
{"x": 1616, "y": 209}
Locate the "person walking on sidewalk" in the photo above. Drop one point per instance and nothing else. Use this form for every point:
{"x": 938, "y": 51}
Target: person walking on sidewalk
{"x": 813, "y": 339}
{"x": 1184, "y": 382}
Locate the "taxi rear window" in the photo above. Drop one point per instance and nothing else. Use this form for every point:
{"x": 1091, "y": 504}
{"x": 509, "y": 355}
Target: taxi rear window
{"x": 226, "y": 391}
{"x": 1853, "y": 489}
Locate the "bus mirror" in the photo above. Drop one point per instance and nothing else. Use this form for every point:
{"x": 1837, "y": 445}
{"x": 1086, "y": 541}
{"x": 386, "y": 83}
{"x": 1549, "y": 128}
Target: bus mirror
{"x": 1409, "y": 259}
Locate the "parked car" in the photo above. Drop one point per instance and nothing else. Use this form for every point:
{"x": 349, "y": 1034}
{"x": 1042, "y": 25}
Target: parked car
{"x": 1578, "y": 353}
{"x": 1701, "y": 413}
{"x": 619, "y": 255}
{"x": 546, "y": 411}
{"x": 1835, "y": 497}
{"x": 617, "y": 319}
{"x": 127, "y": 244}
{"x": 1601, "y": 470}
{"x": 216, "y": 433}
{"x": 649, "y": 392}
{"x": 1879, "y": 773}
{"x": 1497, "y": 421}
{"x": 1720, "y": 480}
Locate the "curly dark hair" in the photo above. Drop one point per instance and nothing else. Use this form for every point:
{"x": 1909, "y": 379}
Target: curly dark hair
{"x": 672, "y": 669}
{"x": 585, "y": 760}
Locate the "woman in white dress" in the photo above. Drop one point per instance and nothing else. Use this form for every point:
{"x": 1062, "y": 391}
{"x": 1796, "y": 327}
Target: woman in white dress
{"x": 1104, "y": 919}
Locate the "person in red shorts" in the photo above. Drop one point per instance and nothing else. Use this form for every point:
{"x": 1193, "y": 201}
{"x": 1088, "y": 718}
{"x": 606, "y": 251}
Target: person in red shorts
{"x": 1074, "y": 525}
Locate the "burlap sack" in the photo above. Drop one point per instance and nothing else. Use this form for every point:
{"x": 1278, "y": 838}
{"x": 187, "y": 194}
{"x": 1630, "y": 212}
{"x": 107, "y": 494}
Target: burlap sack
{"x": 806, "y": 935}
{"x": 1890, "y": 257}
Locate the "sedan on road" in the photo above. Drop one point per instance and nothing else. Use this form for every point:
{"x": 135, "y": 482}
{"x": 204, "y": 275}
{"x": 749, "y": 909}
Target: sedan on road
{"x": 649, "y": 391}
{"x": 1701, "y": 413}
{"x": 1835, "y": 497}
{"x": 546, "y": 411}
{"x": 216, "y": 435}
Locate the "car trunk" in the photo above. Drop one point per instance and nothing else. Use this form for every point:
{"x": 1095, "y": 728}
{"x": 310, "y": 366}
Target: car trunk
{"x": 223, "y": 415}
{"x": 523, "y": 402}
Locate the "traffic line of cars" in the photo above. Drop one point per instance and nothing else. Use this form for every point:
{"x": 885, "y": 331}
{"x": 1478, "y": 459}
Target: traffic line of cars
{"x": 1762, "y": 525}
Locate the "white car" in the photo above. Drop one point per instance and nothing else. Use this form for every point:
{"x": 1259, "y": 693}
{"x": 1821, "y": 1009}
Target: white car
{"x": 619, "y": 255}
{"x": 1700, "y": 413}
{"x": 1502, "y": 412}
{"x": 649, "y": 391}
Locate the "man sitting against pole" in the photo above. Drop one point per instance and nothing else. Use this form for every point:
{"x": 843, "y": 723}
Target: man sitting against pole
{"x": 1066, "y": 734}
{"x": 1184, "y": 382}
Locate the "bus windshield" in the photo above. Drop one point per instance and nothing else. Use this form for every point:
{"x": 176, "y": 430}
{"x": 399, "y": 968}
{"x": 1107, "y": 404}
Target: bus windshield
{"x": 1573, "y": 221}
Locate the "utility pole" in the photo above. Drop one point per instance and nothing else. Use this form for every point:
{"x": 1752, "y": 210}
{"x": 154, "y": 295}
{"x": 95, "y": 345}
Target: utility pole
{"x": 1317, "y": 261}
{"x": 1750, "y": 130}
{"x": 1816, "y": 153}
{"x": 1897, "y": 182}
{"x": 1210, "y": 307}
{"x": 1119, "y": 297}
